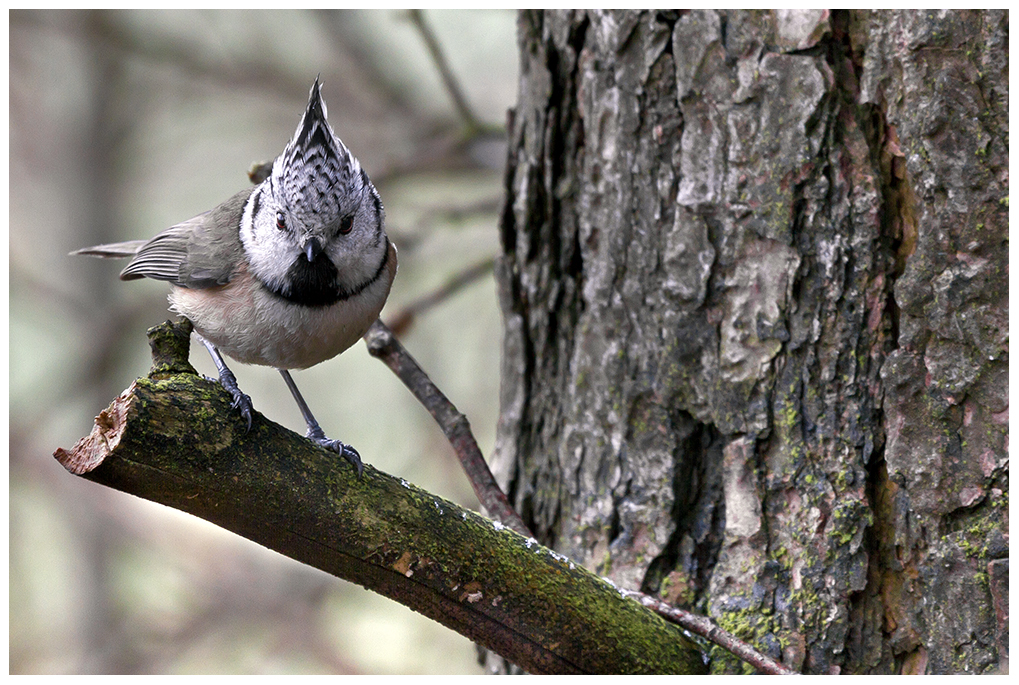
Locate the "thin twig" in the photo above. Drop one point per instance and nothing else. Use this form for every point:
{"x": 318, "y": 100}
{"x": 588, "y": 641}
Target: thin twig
{"x": 384, "y": 345}
{"x": 405, "y": 317}
{"x": 703, "y": 626}
{"x": 463, "y": 108}
{"x": 461, "y": 212}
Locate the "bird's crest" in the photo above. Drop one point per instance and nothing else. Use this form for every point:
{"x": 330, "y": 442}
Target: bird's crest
{"x": 316, "y": 169}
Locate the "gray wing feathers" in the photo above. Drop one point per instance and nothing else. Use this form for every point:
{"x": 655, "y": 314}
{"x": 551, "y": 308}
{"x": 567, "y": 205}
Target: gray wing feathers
{"x": 198, "y": 253}
{"x": 112, "y": 250}
{"x": 214, "y": 247}
{"x": 161, "y": 257}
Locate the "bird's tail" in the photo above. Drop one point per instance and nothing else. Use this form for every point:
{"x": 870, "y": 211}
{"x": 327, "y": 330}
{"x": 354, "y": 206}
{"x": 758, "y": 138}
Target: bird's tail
{"x": 112, "y": 250}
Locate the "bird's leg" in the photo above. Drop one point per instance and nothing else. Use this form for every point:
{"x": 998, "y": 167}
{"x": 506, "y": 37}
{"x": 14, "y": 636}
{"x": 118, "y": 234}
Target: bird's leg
{"x": 229, "y": 381}
{"x": 315, "y": 432}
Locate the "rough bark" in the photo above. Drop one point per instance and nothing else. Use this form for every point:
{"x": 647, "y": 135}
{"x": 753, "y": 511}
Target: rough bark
{"x": 755, "y": 291}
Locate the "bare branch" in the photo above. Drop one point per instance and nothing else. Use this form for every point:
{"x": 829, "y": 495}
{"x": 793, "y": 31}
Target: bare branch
{"x": 384, "y": 345}
{"x": 463, "y": 108}
{"x": 703, "y": 626}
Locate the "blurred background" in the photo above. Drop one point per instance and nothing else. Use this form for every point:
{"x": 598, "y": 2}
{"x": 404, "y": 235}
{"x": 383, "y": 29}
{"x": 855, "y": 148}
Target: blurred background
{"x": 124, "y": 123}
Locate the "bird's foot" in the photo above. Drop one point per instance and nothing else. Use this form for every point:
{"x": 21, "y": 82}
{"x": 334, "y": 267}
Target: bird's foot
{"x": 241, "y": 401}
{"x": 229, "y": 381}
{"x": 317, "y": 436}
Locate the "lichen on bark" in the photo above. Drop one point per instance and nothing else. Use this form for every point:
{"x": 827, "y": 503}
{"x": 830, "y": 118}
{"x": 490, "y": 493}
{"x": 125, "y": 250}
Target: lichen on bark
{"x": 755, "y": 293}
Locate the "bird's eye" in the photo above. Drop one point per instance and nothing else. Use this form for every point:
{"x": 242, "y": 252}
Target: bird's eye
{"x": 281, "y": 221}
{"x": 346, "y": 223}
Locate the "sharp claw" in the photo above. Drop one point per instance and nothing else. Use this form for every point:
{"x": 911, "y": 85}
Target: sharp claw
{"x": 343, "y": 449}
{"x": 315, "y": 432}
{"x": 351, "y": 455}
{"x": 242, "y": 402}
{"x": 229, "y": 382}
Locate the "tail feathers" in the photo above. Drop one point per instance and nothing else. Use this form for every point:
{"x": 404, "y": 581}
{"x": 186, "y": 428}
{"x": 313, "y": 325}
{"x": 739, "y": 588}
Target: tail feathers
{"x": 112, "y": 250}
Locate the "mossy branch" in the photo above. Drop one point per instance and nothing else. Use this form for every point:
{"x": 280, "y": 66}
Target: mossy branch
{"x": 173, "y": 438}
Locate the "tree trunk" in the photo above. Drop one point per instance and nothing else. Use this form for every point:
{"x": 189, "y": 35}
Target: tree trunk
{"x": 755, "y": 289}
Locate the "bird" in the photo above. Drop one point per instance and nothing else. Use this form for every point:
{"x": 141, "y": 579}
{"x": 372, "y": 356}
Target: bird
{"x": 288, "y": 273}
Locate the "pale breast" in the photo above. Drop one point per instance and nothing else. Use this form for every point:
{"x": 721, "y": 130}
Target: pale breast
{"x": 251, "y": 325}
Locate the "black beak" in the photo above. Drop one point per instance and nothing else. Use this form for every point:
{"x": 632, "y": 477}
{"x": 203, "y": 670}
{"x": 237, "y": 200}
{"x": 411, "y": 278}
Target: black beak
{"x": 312, "y": 249}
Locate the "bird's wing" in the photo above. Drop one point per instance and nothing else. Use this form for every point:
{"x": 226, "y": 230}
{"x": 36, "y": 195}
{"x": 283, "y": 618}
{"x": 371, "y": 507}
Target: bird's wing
{"x": 198, "y": 253}
{"x": 161, "y": 257}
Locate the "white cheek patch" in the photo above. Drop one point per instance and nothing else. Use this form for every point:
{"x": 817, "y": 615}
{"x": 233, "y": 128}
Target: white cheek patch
{"x": 247, "y": 233}
{"x": 269, "y": 251}
{"x": 358, "y": 254}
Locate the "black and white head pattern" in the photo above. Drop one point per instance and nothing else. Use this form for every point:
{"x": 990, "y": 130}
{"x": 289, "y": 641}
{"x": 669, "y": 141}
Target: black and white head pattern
{"x": 313, "y": 230}
{"x": 316, "y": 170}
